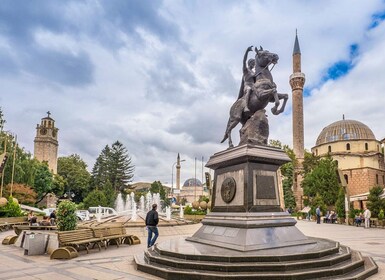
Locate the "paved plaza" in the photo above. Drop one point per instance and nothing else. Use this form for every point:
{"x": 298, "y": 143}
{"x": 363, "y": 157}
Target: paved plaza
{"x": 118, "y": 263}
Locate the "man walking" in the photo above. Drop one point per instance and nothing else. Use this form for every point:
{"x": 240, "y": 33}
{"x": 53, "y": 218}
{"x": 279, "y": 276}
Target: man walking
{"x": 367, "y": 215}
{"x": 151, "y": 224}
{"x": 318, "y": 214}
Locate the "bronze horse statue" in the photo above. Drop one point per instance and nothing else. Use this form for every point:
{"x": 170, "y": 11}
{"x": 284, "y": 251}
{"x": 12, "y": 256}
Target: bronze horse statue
{"x": 255, "y": 95}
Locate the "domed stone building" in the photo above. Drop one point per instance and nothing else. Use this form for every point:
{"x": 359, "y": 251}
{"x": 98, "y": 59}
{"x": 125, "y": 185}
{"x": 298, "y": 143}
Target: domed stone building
{"x": 192, "y": 189}
{"x": 359, "y": 155}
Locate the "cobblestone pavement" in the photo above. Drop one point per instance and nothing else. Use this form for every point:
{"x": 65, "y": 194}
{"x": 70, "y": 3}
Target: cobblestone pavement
{"x": 117, "y": 263}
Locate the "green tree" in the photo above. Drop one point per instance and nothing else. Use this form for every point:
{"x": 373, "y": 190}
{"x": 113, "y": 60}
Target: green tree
{"x": 113, "y": 164}
{"x": 100, "y": 171}
{"x": 340, "y": 203}
{"x": 157, "y": 187}
{"x": 318, "y": 201}
{"x": 310, "y": 162}
{"x": 375, "y": 203}
{"x": 110, "y": 194}
{"x": 76, "y": 177}
{"x": 287, "y": 183}
{"x": 322, "y": 179}
{"x": 43, "y": 181}
{"x": 94, "y": 199}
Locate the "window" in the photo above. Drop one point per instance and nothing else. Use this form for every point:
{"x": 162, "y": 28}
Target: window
{"x": 348, "y": 147}
{"x": 329, "y": 149}
{"x": 376, "y": 179}
{"x": 346, "y": 178}
{"x": 366, "y": 146}
{"x": 316, "y": 152}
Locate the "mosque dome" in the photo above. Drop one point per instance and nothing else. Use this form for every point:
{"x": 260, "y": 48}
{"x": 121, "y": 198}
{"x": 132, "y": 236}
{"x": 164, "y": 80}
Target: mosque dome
{"x": 345, "y": 130}
{"x": 192, "y": 182}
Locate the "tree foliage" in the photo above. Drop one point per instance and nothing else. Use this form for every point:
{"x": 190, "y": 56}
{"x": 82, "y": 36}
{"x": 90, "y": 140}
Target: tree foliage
{"x": 113, "y": 165}
{"x": 43, "y": 181}
{"x": 66, "y": 216}
{"x": 322, "y": 179}
{"x": 76, "y": 177}
{"x": 340, "y": 203}
{"x": 94, "y": 199}
{"x": 157, "y": 187}
{"x": 375, "y": 203}
{"x": 23, "y": 193}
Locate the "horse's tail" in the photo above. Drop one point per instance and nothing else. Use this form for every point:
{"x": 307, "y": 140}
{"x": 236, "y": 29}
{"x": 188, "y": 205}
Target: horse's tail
{"x": 227, "y": 131}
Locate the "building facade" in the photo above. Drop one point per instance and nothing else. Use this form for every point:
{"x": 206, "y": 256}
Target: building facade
{"x": 46, "y": 142}
{"x": 359, "y": 155}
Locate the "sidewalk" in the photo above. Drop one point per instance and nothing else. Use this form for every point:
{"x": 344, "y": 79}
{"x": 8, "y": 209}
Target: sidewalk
{"x": 117, "y": 263}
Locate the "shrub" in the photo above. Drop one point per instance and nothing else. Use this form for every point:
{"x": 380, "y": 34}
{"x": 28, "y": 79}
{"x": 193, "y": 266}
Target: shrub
{"x": 66, "y": 216}
{"x": 381, "y": 215}
{"x": 11, "y": 209}
{"x": 189, "y": 211}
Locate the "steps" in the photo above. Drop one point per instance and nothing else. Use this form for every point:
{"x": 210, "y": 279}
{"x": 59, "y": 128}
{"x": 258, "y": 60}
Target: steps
{"x": 325, "y": 259}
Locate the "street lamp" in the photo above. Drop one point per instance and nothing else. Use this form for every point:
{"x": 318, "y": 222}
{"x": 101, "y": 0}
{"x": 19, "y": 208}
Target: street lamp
{"x": 172, "y": 175}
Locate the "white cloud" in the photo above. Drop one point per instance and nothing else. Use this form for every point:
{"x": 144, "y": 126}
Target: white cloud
{"x": 161, "y": 93}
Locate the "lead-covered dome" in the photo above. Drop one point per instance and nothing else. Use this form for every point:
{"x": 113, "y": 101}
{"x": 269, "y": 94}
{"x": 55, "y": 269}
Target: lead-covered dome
{"x": 345, "y": 130}
{"x": 192, "y": 182}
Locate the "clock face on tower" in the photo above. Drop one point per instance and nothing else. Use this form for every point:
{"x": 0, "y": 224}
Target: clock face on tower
{"x": 43, "y": 131}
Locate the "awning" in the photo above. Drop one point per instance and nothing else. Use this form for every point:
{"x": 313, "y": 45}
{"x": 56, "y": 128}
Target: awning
{"x": 359, "y": 197}
{"x": 306, "y": 209}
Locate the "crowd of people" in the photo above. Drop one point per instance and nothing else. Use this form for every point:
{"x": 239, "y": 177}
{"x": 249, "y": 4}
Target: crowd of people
{"x": 330, "y": 217}
{"x": 46, "y": 221}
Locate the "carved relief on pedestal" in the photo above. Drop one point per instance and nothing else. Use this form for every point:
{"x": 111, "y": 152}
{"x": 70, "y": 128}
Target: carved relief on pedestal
{"x": 228, "y": 189}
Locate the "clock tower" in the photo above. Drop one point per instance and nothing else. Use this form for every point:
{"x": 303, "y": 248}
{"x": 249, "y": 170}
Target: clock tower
{"x": 46, "y": 144}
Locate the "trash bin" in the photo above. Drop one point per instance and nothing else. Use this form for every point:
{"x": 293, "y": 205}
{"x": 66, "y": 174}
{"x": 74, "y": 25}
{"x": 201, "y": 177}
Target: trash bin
{"x": 34, "y": 244}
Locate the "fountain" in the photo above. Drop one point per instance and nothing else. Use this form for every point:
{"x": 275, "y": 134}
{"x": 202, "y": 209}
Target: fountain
{"x": 119, "y": 204}
{"x": 168, "y": 213}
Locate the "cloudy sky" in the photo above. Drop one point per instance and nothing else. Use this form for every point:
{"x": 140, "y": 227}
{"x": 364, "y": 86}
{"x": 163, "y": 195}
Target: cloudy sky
{"x": 161, "y": 76}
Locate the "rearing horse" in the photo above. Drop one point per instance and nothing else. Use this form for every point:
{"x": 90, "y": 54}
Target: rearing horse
{"x": 263, "y": 92}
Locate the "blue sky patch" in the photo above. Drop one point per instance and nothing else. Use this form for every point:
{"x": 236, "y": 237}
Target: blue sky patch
{"x": 377, "y": 19}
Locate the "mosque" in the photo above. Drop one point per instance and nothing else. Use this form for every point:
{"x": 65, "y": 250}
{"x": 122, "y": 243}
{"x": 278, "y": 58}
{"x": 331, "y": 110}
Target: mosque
{"x": 351, "y": 143}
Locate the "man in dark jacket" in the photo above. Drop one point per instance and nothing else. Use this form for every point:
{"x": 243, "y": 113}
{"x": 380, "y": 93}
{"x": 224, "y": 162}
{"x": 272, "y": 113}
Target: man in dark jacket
{"x": 151, "y": 224}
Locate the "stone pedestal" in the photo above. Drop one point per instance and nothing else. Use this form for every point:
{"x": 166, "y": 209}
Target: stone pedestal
{"x": 246, "y": 212}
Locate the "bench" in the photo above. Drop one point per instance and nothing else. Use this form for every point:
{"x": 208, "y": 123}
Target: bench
{"x": 19, "y": 228}
{"x": 77, "y": 238}
{"x": 10, "y": 222}
{"x": 115, "y": 236}
{"x": 373, "y": 222}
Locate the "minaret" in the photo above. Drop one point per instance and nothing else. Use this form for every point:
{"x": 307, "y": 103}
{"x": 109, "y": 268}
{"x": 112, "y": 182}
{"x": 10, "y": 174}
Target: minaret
{"x": 46, "y": 144}
{"x": 297, "y": 81}
{"x": 178, "y": 173}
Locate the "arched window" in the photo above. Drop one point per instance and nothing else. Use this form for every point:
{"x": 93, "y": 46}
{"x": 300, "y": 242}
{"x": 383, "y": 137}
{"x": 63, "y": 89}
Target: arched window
{"x": 329, "y": 149}
{"x": 348, "y": 146}
{"x": 346, "y": 178}
{"x": 366, "y": 146}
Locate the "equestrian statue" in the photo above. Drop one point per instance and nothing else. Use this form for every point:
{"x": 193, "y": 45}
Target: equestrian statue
{"x": 256, "y": 92}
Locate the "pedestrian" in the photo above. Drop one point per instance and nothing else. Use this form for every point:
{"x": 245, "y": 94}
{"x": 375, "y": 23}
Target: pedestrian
{"x": 367, "y": 215}
{"x": 52, "y": 218}
{"x": 318, "y": 214}
{"x": 151, "y": 224}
